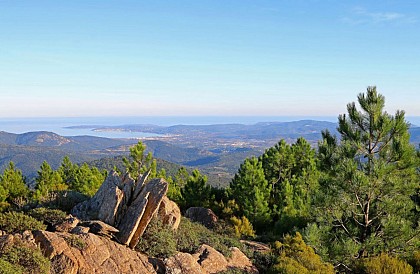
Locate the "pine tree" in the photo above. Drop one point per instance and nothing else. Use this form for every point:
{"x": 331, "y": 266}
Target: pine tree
{"x": 88, "y": 180}
{"x": 251, "y": 191}
{"x": 13, "y": 184}
{"x": 68, "y": 172}
{"x": 292, "y": 172}
{"x": 139, "y": 162}
{"x": 47, "y": 181}
{"x": 369, "y": 179}
{"x": 176, "y": 184}
{"x": 196, "y": 192}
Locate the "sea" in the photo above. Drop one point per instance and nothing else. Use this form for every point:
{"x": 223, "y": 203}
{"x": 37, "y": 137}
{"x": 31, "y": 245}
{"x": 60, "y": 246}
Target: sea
{"x": 78, "y": 126}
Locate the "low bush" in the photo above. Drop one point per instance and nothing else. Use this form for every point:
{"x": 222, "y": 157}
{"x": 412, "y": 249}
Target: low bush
{"x": 19, "y": 257}
{"x": 243, "y": 227}
{"x": 64, "y": 200}
{"x": 414, "y": 261}
{"x": 263, "y": 261}
{"x": 8, "y": 268}
{"x": 17, "y": 222}
{"x": 76, "y": 242}
{"x": 158, "y": 240}
{"x": 384, "y": 264}
{"x": 48, "y": 215}
{"x": 294, "y": 256}
{"x": 161, "y": 241}
{"x": 191, "y": 235}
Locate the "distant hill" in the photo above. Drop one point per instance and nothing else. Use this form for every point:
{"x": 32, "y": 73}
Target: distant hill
{"x": 217, "y": 150}
{"x": 51, "y": 139}
{"x": 263, "y": 130}
{"x": 29, "y": 150}
{"x": 29, "y": 158}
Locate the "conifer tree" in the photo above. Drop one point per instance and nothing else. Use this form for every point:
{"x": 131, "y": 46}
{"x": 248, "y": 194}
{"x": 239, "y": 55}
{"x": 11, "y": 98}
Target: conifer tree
{"x": 13, "y": 184}
{"x": 196, "y": 192}
{"x": 68, "y": 172}
{"x": 251, "y": 191}
{"x": 88, "y": 180}
{"x": 369, "y": 180}
{"x": 292, "y": 172}
{"x": 139, "y": 162}
{"x": 176, "y": 184}
{"x": 48, "y": 180}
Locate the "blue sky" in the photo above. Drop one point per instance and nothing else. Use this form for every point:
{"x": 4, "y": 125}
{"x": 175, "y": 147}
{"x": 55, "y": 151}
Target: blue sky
{"x": 206, "y": 57}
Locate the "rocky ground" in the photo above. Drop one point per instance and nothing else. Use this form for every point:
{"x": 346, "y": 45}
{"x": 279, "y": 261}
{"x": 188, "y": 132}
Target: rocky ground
{"x": 100, "y": 235}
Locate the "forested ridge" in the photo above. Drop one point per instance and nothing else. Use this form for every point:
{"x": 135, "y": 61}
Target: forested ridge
{"x": 350, "y": 205}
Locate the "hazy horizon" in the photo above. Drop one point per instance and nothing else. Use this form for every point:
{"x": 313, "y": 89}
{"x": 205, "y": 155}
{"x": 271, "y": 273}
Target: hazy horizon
{"x": 60, "y": 124}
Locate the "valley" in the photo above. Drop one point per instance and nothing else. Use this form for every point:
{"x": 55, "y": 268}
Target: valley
{"x": 216, "y": 150}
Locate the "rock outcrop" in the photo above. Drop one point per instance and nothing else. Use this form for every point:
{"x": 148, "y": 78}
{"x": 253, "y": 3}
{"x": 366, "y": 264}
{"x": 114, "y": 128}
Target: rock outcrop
{"x": 110, "y": 226}
{"x": 169, "y": 213}
{"x": 89, "y": 253}
{"x": 208, "y": 260}
{"x": 182, "y": 263}
{"x": 146, "y": 199}
{"x": 202, "y": 215}
{"x": 128, "y": 206}
{"x": 80, "y": 252}
{"x": 238, "y": 260}
{"x": 67, "y": 224}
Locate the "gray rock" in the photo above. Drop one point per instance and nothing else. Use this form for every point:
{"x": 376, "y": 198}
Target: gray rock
{"x": 100, "y": 228}
{"x": 169, "y": 213}
{"x": 202, "y": 215}
{"x": 78, "y": 230}
{"x": 124, "y": 204}
{"x": 141, "y": 211}
{"x": 68, "y": 224}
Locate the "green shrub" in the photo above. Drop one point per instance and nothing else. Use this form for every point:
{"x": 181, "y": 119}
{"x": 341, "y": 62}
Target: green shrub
{"x": 242, "y": 227}
{"x": 161, "y": 241}
{"x": 414, "y": 261}
{"x": 76, "y": 242}
{"x": 158, "y": 240}
{"x": 385, "y": 264}
{"x": 48, "y": 215}
{"x": 190, "y": 236}
{"x": 16, "y": 222}
{"x": 4, "y": 206}
{"x": 23, "y": 257}
{"x": 8, "y": 268}
{"x": 65, "y": 200}
{"x": 288, "y": 265}
{"x": 263, "y": 261}
{"x": 297, "y": 257}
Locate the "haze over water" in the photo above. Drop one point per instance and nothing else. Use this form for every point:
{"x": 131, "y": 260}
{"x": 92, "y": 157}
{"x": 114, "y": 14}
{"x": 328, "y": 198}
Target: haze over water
{"x": 61, "y": 125}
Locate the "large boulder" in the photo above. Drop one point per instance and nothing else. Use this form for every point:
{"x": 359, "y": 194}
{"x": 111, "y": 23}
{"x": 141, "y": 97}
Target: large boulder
{"x": 93, "y": 254}
{"x": 208, "y": 260}
{"x": 202, "y": 215}
{"x": 125, "y": 204}
{"x": 182, "y": 263}
{"x": 82, "y": 252}
{"x": 105, "y": 204}
{"x": 169, "y": 213}
{"x": 238, "y": 260}
{"x": 99, "y": 228}
{"x": 140, "y": 212}
{"x": 67, "y": 224}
